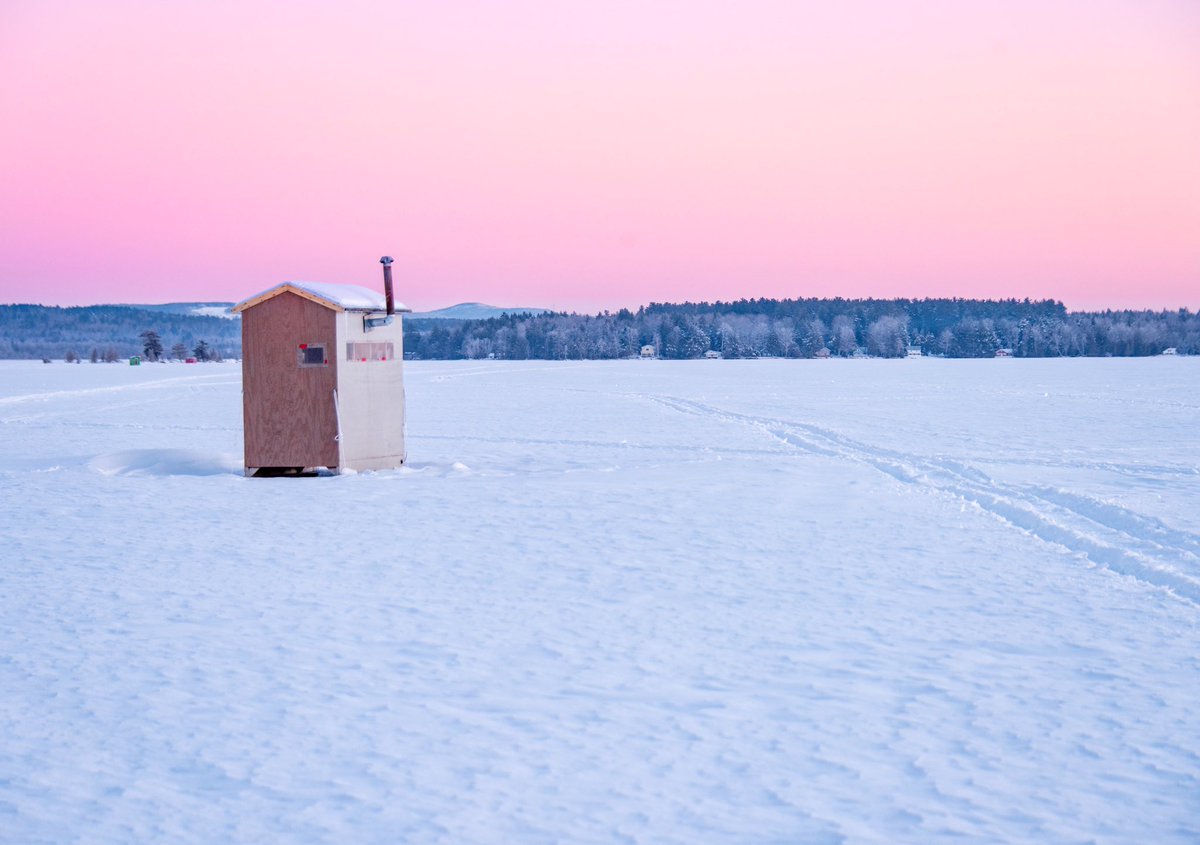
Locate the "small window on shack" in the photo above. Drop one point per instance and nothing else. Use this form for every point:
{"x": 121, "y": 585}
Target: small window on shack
{"x": 311, "y": 355}
{"x": 363, "y": 352}
{"x": 381, "y": 351}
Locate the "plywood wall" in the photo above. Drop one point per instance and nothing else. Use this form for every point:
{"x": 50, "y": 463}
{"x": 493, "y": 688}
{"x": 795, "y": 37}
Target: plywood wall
{"x": 288, "y": 410}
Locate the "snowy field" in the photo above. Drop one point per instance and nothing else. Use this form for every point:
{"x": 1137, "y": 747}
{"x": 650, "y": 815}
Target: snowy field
{"x": 610, "y": 602}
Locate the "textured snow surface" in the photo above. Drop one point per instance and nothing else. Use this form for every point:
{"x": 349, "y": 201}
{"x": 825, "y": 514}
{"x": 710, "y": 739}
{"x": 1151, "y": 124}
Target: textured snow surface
{"x": 639, "y": 601}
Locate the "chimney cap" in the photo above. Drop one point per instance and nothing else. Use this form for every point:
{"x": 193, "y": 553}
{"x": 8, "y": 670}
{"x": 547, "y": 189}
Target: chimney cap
{"x": 387, "y": 259}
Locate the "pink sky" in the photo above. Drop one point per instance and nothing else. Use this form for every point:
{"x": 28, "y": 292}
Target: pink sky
{"x": 586, "y": 156}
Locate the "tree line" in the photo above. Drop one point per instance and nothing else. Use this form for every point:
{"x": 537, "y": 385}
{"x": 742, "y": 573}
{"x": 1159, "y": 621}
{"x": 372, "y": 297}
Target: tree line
{"x": 808, "y": 328}
{"x": 152, "y": 350}
{"x": 746, "y": 328}
{"x": 112, "y": 332}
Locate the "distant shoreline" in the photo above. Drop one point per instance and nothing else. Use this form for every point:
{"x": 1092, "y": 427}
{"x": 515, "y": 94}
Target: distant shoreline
{"x": 759, "y": 328}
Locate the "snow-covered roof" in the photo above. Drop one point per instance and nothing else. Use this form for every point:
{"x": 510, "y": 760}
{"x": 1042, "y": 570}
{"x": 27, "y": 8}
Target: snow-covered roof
{"x": 337, "y": 297}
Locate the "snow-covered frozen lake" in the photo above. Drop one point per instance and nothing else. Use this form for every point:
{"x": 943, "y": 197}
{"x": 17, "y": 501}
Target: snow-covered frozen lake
{"x": 610, "y": 602}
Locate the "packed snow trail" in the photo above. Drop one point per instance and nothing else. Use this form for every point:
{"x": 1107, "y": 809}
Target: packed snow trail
{"x": 1110, "y": 536}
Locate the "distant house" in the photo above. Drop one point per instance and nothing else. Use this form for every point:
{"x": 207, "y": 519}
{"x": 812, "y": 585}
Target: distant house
{"x": 913, "y": 352}
{"x": 823, "y": 352}
{"x": 1004, "y": 353}
{"x": 712, "y": 353}
{"x": 1170, "y": 350}
{"x": 648, "y": 351}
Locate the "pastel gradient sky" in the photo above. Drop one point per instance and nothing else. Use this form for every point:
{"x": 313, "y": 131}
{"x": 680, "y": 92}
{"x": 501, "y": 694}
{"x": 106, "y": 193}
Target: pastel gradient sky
{"x": 595, "y": 155}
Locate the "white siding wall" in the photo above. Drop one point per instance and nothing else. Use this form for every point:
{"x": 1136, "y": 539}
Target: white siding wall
{"x": 370, "y": 395}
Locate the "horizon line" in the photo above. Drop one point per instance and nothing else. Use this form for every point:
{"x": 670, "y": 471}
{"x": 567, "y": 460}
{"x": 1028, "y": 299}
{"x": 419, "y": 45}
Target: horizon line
{"x": 701, "y": 302}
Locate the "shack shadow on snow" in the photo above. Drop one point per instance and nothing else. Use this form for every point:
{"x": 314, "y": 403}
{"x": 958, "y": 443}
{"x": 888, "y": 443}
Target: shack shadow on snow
{"x": 166, "y": 462}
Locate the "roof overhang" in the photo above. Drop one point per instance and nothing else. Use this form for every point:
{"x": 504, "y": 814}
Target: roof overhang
{"x": 330, "y": 296}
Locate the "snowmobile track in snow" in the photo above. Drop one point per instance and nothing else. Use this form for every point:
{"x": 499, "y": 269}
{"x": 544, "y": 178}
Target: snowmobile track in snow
{"x": 1110, "y": 536}
{"x": 155, "y": 384}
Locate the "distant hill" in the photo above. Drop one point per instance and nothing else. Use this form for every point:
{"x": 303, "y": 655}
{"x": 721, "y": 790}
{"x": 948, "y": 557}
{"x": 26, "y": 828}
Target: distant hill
{"x": 195, "y": 309}
{"x": 472, "y": 311}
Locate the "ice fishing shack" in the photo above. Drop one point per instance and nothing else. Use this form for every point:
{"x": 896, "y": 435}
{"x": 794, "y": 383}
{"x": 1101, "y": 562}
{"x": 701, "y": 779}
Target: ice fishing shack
{"x": 322, "y": 378}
